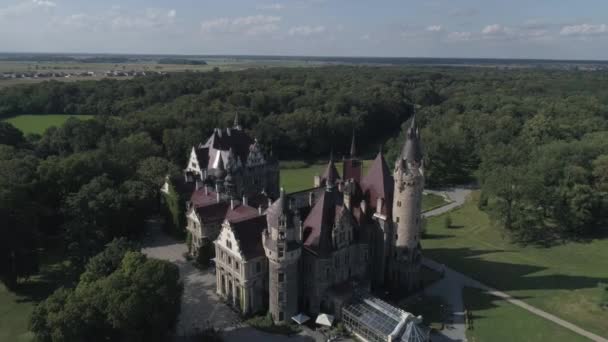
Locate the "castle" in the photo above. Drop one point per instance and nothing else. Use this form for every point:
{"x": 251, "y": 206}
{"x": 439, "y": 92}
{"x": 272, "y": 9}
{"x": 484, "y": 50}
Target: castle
{"x": 313, "y": 251}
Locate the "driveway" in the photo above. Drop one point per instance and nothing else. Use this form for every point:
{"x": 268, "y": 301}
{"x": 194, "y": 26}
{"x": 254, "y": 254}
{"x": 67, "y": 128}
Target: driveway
{"x": 201, "y": 307}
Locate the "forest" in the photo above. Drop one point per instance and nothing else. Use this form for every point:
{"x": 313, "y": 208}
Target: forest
{"x": 535, "y": 141}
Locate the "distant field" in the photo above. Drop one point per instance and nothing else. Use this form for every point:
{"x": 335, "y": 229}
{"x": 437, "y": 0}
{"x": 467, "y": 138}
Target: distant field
{"x": 31, "y": 123}
{"x": 562, "y": 280}
{"x": 14, "y": 315}
{"x": 301, "y": 178}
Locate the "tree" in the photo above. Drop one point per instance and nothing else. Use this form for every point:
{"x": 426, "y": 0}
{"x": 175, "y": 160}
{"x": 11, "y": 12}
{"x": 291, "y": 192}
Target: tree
{"x": 138, "y": 300}
{"x": 9, "y": 135}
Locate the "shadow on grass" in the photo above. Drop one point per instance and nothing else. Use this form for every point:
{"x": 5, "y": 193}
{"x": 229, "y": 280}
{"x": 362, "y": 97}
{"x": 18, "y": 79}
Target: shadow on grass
{"x": 508, "y": 276}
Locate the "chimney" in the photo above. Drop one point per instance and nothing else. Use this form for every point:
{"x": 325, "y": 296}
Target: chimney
{"x": 232, "y": 203}
{"x": 340, "y": 186}
{"x": 259, "y": 210}
{"x": 244, "y": 200}
{"x": 206, "y": 190}
{"x": 363, "y": 206}
{"x": 311, "y": 198}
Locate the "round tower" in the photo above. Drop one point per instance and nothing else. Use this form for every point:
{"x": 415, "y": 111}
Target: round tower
{"x": 283, "y": 252}
{"x": 407, "y": 213}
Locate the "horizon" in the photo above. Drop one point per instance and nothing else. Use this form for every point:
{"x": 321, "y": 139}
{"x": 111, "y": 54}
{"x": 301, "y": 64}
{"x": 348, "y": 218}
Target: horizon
{"x": 543, "y": 30}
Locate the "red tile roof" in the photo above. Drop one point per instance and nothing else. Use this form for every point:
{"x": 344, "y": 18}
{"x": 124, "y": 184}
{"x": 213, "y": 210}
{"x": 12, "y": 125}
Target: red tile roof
{"x": 320, "y": 221}
{"x": 210, "y": 210}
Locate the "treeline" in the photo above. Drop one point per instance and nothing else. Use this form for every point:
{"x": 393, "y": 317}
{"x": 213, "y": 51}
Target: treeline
{"x": 536, "y": 141}
{"x": 181, "y": 61}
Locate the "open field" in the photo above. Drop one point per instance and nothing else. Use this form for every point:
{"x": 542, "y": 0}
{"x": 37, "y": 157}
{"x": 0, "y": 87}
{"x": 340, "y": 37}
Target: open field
{"x": 495, "y": 320}
{"x": 39, "y": 123}
{"x": 14, "y": 315}
{"x": 562, "y": 280}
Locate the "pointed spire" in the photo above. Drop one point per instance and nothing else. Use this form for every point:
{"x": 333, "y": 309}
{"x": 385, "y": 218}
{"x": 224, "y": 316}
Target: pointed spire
{"x": 236, "y": 124}
{"x": 412, "y": 150}
{"x": 353, "y": 151}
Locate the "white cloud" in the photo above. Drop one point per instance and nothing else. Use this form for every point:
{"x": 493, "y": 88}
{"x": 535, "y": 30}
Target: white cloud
{"x": 584, "y": 30}
{"x": 250, "y": 25}
{"x": 271, "y": 7}
{"x": 118, "y": 20}
{"x": 434, "y": 28}
{"x": 26, "y": 7}
{"x": 306, "y": 30}
{"x": 460, "y": 36}
{"x": 495, "y": 29}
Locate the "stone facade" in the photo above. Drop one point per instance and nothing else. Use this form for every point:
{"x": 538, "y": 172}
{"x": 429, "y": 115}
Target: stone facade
{"x": 307, "y": 251}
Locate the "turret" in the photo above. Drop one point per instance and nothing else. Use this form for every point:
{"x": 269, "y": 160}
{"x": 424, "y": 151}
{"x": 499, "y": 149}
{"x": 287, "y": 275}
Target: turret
{"x": 407, "y": 211}
{"x": 351, "y": 168}
{"x": 283, "y": 252}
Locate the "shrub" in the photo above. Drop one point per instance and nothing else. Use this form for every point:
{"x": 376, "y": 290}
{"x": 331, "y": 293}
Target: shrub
{"x": 205, "y": 253}
{"x": 265, "y": 323}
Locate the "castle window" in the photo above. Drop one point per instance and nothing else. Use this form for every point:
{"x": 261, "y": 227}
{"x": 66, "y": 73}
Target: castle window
{"x": 230, "y": 261}
{"x": 229, "y": 244}
{"x": 397, "y": 219}
{"x": 281, "y": 297}
{"x": 258, "y": 267}
{"x": 396, "y": 237}
{"x": 399, "y": 203}
{"x": 281, "y": 252}
{"x": 236, "y": 265}
{"x": 281, "y": 316}
{"x": 281, "y": 277}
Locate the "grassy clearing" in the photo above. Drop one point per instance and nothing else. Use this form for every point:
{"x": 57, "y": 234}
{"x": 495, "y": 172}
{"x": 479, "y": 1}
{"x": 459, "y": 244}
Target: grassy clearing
{"x": 298, "y": 175}
{"x": 16, "y": 307}
{"x": 32, "y": 123}
{"x": 495, "y": 320}
{"x": 562, "y": 280}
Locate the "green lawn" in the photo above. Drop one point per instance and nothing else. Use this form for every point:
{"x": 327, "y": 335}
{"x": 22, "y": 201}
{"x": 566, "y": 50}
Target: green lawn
{"x": 39, "y": 123}
{"x": 562, "y": 280}
{"x": 495, "y": 320}
{"x": 16, "y": 308}
{"x": 297, "y": 176}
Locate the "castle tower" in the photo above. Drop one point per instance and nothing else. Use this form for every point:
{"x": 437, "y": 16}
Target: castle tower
{"x": 405, "y": 260}
{"x": 283, "y": 252}
{"x": 351, "y": 169}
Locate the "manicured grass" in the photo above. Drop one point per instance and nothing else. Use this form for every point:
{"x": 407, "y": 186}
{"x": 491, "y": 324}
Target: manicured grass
{"x": 297, "y": 176}
{"x": 15, "y": 311}
{"x": 39, "y": 123}
{"x": 432, "y": 201}
{"x": 562, "y": 280}
{"x": 16, "y": 307}
{"x": 495, "y": 320}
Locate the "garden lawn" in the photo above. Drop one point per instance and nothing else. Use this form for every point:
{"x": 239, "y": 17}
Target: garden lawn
{"x": 301, "y": 177}
{"x": 562, "y": 280}
{"x": 495, "y": 320}
{"x": 14, "y": 315}
{"x": 39, "y": 123}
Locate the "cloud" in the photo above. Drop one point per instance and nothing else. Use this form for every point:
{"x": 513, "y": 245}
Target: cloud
{"x": 495, "y": 30}
{"x": 460, "y": 36}
{"x": 306, "y": 30}
{"x": 271, "y": 7}
{"x": 584, "y": 30}
{"x": 26, "y": 7}
{"x": 118, "y": 20}
{"x": 250, "y": 25}
{"x": 434, "y": 28}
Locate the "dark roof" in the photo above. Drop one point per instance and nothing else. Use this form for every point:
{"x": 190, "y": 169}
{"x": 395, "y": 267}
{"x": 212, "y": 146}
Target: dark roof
{"x": 378, "y": 183}
{"x": 249, "y": 234}
{"x": 331, "y": 173}
{"x": 412, "y": 149}
{"x": 320, "y": 220}
{"x": 222, "y": 140}
{"x": 210, "y": 210}
{"x": 277, "y": 209}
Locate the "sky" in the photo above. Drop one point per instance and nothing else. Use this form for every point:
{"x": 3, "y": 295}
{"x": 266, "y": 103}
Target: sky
{"x": 548, "y": 29}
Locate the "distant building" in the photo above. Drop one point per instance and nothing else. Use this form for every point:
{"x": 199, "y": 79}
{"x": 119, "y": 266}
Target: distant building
{"x": 311, "y": 251}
